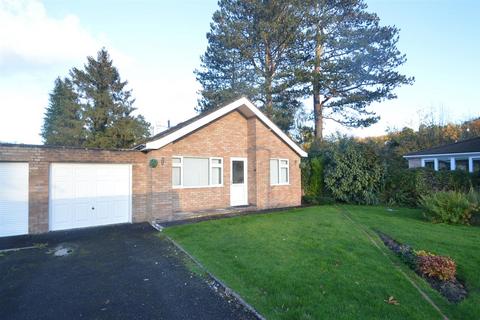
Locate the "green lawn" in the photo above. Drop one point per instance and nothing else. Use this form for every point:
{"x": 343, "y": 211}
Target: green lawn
{"x": 315, "y": 263}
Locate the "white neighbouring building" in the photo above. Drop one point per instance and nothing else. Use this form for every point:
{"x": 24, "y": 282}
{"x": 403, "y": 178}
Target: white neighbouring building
{"x": 462, "y": 155}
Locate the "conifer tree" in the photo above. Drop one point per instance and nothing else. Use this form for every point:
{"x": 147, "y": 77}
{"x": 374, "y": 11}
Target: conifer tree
{"x": 350, "y": 61}
{"x": 108, "y": 105}
{"x": 252, "y": 52}
{"x": 63, "y": 124}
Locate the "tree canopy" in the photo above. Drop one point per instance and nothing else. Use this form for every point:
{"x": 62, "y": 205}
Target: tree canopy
{"x": 251, "y": 51}
{"x": 63, "y": 123}
{"x": 97, "y": 104}
{"x": 280, "y": 52}
{"x": 350, "y": 61}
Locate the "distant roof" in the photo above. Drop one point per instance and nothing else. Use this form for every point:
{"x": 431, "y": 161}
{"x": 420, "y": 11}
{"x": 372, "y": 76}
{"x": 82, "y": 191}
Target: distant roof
{"x": 465, "y": 146}
{"x": 245, "y": 106}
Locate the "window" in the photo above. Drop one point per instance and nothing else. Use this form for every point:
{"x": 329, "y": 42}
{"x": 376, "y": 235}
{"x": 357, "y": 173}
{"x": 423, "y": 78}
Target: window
{"x": 429, "y": 164}
{"x": 279, "y": 171}
{"x": 461, "y": 164}
{"x": 443, "y": 164}
{"x": 197, "y": 172}
{"x": 475, "y": 164}
{"x": 238, "y": 172}
{"x": 176, "y": 172}
{"x": 216, "y": 169}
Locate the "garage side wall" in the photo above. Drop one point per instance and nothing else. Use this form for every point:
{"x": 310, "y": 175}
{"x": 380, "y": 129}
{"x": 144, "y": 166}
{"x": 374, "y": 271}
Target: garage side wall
{"x": 39, "y": 160}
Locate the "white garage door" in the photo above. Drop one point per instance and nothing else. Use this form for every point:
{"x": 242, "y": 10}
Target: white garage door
{"x": 13, "y": 198}
{"x": 85, "y": 195}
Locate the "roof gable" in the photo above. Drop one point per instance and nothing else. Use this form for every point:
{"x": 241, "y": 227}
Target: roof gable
{"x": 465, "y": 146}
{"x": 162, "y": 139}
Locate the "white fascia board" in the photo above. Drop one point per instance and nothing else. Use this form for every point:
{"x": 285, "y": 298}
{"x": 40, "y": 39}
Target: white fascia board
{"x": 443, "y": 155}
{"x": 159, "y": 143}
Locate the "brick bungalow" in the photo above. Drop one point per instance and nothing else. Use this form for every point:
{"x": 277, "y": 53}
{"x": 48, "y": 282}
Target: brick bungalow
{"x": 231, "y": 156}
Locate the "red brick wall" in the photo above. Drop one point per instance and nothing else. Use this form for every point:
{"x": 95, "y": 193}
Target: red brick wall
{"x": 39, "y": 159}
{"x": 230, "y": 136}
{"x": 153, "y": 196}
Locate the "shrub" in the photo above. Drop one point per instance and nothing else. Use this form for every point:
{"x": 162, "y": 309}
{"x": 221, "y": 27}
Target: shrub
{"x": 405, "y": 187}
{"x": 449, "y": 207}
{"x": 312, "y": 177}
{"x": 423, "y": 253}
{"x": 317, "y": 200}
{"x": 353, "y": 172}
{"x": 439, "y": 267}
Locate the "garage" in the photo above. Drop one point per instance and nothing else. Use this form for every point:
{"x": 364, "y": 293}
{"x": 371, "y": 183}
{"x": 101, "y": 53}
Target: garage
{"x": 86, "y": 195}
{"x": 13, "y": 198}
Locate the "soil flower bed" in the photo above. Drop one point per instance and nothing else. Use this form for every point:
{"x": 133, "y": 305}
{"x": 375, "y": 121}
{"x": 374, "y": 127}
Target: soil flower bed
{"x": 439, "y": 271}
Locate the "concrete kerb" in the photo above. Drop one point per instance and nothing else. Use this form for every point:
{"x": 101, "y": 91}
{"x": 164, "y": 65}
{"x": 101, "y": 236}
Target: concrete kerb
{"x": 228, "y": 291}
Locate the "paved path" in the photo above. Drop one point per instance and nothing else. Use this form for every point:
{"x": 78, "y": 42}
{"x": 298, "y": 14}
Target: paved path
{"x": 120, "y": 272}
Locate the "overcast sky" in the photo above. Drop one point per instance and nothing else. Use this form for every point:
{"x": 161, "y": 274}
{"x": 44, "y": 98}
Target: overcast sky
{"x": 156, "y": 45}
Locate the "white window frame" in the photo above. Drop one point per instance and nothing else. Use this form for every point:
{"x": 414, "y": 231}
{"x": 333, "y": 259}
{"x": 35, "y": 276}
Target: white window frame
{"x": 178, "y": 165}
{"x": 214, "y": 165}
{"x": 210, "y": 166}
{"x": 438, "y": 160}
{"x": 435, "y": 162}
{"x": 454, "y": 165}
{"x": 280, "y": 166}
{"x": 470, "y": 163}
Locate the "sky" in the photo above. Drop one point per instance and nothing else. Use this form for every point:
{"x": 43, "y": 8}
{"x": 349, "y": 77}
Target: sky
{"x": 156, "y": 45}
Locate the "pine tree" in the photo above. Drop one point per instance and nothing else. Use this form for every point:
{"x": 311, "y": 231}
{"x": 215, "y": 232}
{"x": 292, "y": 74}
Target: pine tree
{"x": 63, "y": 123}
{"x": 224, "y": 75}
{"x": 108, "y": 105}
{"x": 350, "y": 60}
{"x": 252, "y": 51}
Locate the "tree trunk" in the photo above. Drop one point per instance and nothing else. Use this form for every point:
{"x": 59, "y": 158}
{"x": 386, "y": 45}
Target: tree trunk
{"x": 318, "y": 113}
{"x": 268, "y": 82}
{"x": 317, "y": 103}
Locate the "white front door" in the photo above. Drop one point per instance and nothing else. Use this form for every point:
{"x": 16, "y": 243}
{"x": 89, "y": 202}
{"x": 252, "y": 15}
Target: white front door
{"x": 85, "y": 195}
{"x": 238, "y": 182}
{"x": 13, "y": 198}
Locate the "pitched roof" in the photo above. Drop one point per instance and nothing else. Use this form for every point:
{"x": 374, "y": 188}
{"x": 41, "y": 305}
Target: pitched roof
{"x": 465, "y": 146}
{"x": 243, "y": 104}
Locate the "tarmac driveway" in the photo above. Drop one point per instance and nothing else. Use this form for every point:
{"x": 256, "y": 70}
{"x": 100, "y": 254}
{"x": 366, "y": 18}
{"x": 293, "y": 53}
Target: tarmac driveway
{"x": 118, "y": 272}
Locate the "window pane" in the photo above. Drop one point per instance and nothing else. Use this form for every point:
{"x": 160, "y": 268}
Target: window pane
{"x": 176, "y": 178}
{"x": 443, "y": 164}
{"x": 216, "y": 176}
{"x": 273, "y": 171}
{"x": 461, "y": 164}
{"x": 429, "y": 164}
{"x": 195, "y": 172}
{"x": 216, "y": 161}
{"x": 283, "y": 175}
{"x": 176, "y": 160}
{"x": 476, "y": 165}
{"x": 283, "y": 162}
{"x": 237, "y": 172}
